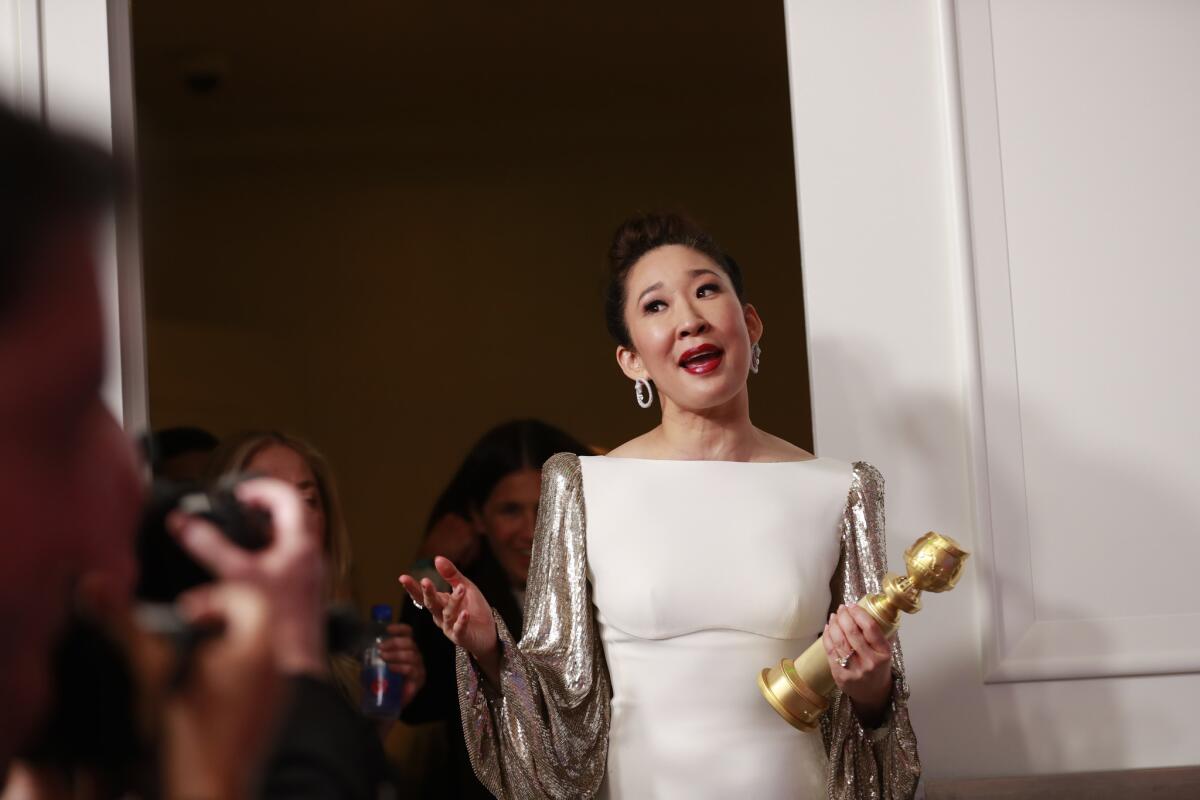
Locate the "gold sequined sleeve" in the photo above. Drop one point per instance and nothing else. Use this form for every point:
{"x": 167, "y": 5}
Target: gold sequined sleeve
{"x": 878, "y": 764}
{"x": 544, "y": 733}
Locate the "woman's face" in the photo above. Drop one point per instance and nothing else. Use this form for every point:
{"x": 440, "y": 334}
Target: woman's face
{"x": 691, "y": 334}
{"x": 285, "y": 464}
{"x": 507, "y": 519}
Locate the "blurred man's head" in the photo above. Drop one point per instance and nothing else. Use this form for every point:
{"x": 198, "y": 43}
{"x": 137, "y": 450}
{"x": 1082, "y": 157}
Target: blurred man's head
{"x": 68, "y": 486}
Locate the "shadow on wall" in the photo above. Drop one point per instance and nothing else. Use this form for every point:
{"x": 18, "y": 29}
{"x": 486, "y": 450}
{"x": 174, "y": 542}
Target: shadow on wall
{"x": 966, "y": 727}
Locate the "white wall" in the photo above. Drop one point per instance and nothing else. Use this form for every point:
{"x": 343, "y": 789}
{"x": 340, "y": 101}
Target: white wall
{"x": 905, "y": 352}
{"x": 55, "y": 64}
{"x": 20, "y": 55}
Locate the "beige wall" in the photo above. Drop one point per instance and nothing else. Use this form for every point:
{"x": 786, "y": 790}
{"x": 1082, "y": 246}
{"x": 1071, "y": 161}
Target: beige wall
{"x": 392, "y": 308}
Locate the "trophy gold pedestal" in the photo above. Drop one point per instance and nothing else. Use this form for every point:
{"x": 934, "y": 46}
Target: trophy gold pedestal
{"x": 798, "y": 689}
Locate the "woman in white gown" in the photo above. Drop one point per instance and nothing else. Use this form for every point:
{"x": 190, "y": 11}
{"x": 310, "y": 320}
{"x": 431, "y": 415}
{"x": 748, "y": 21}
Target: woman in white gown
{"x": 668, "y": 573}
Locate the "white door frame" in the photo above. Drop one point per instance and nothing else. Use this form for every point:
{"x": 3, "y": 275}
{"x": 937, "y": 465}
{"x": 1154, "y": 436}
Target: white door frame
{"x": 70, "y": 63}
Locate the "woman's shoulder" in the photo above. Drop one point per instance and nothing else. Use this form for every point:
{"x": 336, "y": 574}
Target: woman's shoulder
{"x": 561, "y": 464}
{"x": 637, "y": 447}
{"x": 776, "y": 448}
{"x": 867, "y": 478}
{"x": 863, "y": 473}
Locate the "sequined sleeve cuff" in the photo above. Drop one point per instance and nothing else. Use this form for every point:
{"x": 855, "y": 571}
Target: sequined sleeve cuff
{"x": 470, "y": 671}
{"x": 872, "y": 763}
{"x": 877, "y": 733}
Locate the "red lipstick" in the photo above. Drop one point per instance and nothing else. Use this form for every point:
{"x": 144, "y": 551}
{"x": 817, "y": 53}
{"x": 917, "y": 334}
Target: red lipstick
{"x": 702, "y": 359}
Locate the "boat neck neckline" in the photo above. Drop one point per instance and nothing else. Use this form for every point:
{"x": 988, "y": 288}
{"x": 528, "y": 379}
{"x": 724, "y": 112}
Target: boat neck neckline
{"x": 702, "y": 460}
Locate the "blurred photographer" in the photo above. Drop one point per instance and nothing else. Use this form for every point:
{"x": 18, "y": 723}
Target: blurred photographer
{"x": 70, "y": 496}
{"x": 69, "y": 492}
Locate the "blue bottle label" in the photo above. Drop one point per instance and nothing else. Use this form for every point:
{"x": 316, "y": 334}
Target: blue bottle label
{"x": 382, "y": 688}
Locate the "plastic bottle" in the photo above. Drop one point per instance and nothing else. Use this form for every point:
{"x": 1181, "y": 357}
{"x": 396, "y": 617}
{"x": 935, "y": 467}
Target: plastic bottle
{"x": 381, "y": 688}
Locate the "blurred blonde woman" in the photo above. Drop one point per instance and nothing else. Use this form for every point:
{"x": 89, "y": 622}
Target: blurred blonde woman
{"x": 295, "y": 461}
{"x": 291, "y": 459}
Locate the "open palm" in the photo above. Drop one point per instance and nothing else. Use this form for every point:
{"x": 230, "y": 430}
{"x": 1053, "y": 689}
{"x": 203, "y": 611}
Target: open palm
{"x": 463, "y": 614}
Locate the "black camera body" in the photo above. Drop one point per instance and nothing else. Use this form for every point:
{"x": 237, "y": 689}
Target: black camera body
{"x": 167, "y": 570}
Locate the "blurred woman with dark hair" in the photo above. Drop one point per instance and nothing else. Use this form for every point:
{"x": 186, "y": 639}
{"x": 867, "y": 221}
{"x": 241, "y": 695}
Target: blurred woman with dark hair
{"x": 486, "y": 515}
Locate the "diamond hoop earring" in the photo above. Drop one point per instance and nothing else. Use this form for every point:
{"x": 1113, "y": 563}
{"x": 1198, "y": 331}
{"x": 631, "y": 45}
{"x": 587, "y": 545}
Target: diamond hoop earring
{"x": 755, "y": 357}
{"x": 643, "y": 392}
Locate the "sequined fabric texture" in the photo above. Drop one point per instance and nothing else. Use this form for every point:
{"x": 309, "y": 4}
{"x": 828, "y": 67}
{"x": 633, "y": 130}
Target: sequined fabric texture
{"x": 544, "y": 734}
{"x": 881, "y": 764}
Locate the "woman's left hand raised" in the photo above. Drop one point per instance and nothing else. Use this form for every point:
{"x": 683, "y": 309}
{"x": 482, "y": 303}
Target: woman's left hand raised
{"x": 866, "y": 677}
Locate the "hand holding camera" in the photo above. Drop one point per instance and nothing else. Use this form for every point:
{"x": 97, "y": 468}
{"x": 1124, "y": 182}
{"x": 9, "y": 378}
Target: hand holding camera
{"x": 287, "y": 570}
{"x": 219, "y": 721}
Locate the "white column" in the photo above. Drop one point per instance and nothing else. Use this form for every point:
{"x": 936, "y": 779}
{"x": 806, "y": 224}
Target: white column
{"x": 55, "y": 63}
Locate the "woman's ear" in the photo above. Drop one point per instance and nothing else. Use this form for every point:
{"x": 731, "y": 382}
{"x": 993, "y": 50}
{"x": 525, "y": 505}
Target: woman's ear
{"x": 754, "y": 323}
{"x": 630, "y": 363}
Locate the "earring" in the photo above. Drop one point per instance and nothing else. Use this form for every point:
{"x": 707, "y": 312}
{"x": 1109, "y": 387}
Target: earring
{"x": 755, "y": 357}
{"x": 643, "y": 392}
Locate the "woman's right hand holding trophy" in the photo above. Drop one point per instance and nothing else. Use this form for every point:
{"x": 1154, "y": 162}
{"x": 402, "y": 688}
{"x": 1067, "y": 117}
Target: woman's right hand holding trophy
{"x": 799, "y": 689}
{"x": 860, "y": 661}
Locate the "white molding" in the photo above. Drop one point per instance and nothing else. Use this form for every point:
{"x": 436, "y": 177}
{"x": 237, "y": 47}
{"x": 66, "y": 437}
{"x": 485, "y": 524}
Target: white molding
{"x": 131, "y": 321}
{"x": 21, "y": 55}
{"x": 74, "y": 71}
{"x": 969, "y": 362}
{"x": 1006, "y": 572}
{"x": 794, "y": 67}
{"x": 31, "y": 48}
{"x": 10, "y": 53}
{"x": 1017, "y": 645}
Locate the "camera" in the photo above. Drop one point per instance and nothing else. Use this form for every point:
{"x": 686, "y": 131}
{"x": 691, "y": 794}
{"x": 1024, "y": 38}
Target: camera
{"x": 167, "y": 570}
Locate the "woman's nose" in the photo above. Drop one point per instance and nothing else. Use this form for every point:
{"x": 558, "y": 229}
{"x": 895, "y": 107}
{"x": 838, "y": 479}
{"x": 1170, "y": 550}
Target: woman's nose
{"x": 694, "y": 325}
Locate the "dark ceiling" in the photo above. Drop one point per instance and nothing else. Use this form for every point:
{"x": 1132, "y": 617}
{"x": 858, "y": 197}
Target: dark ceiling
{"x": 614, "y": 66}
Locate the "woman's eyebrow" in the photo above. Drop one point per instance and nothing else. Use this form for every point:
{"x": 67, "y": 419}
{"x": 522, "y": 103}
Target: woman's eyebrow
{"x": 649, "y": 289}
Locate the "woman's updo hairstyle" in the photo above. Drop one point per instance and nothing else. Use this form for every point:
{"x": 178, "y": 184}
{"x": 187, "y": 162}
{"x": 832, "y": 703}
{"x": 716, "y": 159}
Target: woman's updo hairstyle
{"x": 636, "y": 237}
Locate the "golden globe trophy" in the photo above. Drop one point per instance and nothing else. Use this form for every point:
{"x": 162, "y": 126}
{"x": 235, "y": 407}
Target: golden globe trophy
{"x": 798, "y": 689}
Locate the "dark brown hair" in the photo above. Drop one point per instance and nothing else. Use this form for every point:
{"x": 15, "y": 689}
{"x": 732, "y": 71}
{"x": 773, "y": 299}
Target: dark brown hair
{"x": 505, "y": 449}
{"x": 636, "y": 237}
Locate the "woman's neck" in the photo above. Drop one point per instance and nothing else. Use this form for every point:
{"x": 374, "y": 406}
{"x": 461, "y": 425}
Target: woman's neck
{"x": 723, "y": 433}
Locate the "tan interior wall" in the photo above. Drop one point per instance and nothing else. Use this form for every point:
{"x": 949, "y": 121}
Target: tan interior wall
{"x": 391, "y": 316}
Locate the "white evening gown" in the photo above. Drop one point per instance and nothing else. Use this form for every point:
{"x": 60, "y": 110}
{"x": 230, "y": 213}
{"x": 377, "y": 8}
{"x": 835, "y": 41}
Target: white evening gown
{"x": 703, "y": 573}
{"x": 657, "y": 592}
